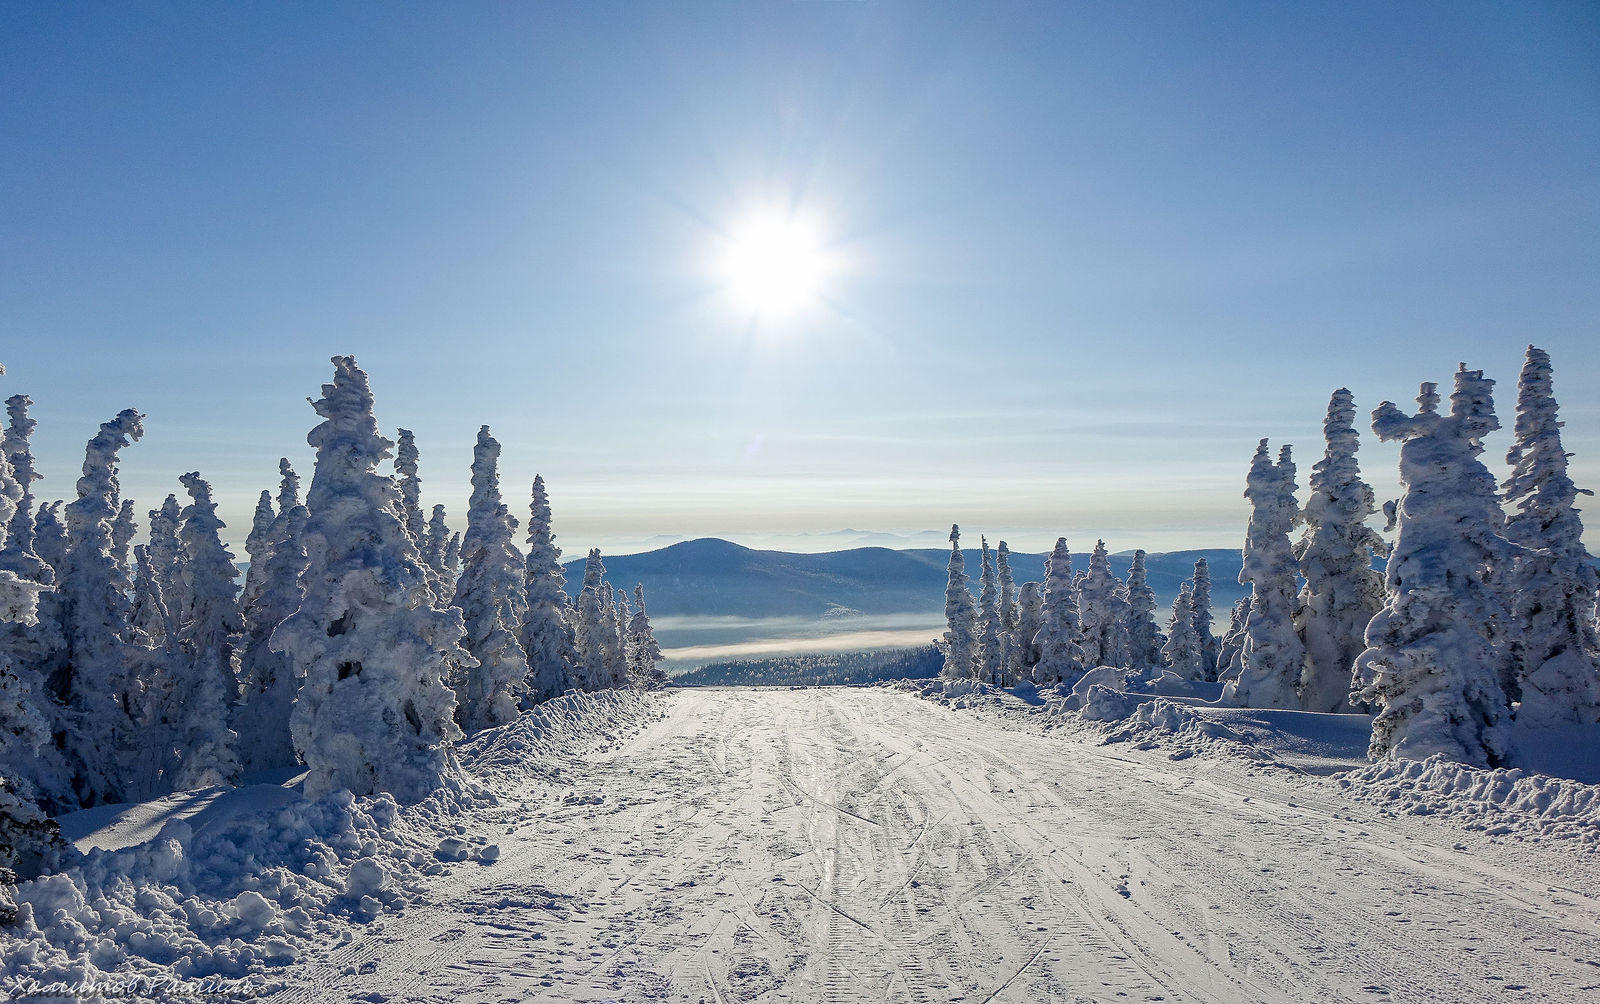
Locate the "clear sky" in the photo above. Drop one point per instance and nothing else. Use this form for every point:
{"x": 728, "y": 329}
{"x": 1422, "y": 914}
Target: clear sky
{"x": 1071, "y": 260}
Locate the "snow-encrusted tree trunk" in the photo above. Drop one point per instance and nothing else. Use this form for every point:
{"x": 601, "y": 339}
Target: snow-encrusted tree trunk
{"x": 492, "y": 596}
{"x": 990, "y": 666}
{"x": 94, "y": 618}
{"x": 208, "y": 636}
{"x": 960, "y": 643}
{"x": 1030, "y": 618}
{"x": 644, "y": 654}
{"x": 1103, "y": 611}
{"x": 1342, "y": 591}
{"x": 1201, "y": 600}
{"x": 1430, "y": 667}
{"x": 374, "y": 713}
{"x": 1182, "y": 651}
{"x": 255, "y": 548}
{"x": 270, "y": 680}
{"x": 1145, "y": 639}
{"x": 547, "y": 635}
{"x": 1273, "y": 656}
{"x": 1555, "y": 653}
{"x": 1059, "y": 638}
{"x": 589, "y": 626}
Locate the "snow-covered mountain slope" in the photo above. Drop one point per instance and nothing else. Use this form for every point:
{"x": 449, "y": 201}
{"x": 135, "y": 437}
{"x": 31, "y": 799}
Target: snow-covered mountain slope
{"x": 862, "y": 845}
{"x": 712, "y": 576}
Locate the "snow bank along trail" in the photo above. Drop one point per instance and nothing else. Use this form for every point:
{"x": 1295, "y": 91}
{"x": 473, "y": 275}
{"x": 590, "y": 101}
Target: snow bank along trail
{"x": 862, "y": 845}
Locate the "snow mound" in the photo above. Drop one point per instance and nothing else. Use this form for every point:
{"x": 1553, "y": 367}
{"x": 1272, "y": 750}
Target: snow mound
{"x": 243, "y": 895}
{"x": 956, "y": 694}
{"x": 1502, "y": 802}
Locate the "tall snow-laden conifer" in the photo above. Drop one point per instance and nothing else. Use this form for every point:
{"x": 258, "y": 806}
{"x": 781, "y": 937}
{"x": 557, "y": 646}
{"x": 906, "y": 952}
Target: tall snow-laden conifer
{"x": 492, "y": 596}
{"x": 1201, "y": 600}
{"x": 1030, "y": 618}
{"x": 255, "y": 548}
{"x": 1103, "y": 610}
{"x": 408, "y": 480}
{"x": 269, "y": 680}
{"x": 29, "y": 765}
{"x": 1145, "y": 639}
{"x": 1272, "y": 657}
{"x": 166, "y": 556}
{"x": 18, "y": 554}
{"x": 990, "y": 667}
{"x": 1555, "y": 654}
{"x": 123, "y": 529}
{"x": 644, "y": 654}
{"x": 50, "y": 535}
{"x": 611, "y": 636}
{"x": 435, "y": 545}
{"x": 1182, "y": 650}
{"x": 1059, "y": 638}
{"x": 208, "y": 636}
{"x": 1342, "y": 591}
{"x": 374, "y": 713}
{"x": 590, "y": 623}
{"x": 547, "y": 635}
{"x": 1230, "y": 650}
{"x": 960, "y": 643}
{"x": 1008, "y": 588}
{"x": 1430, "y": 667}
{"x": 94, "y": 619}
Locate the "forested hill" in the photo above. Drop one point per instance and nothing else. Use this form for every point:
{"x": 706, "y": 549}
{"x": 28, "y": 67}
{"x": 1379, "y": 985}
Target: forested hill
{"x": 712, "y": 577}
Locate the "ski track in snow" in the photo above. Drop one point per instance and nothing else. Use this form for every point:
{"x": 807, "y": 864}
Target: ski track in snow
{"x": 865, "y": 846}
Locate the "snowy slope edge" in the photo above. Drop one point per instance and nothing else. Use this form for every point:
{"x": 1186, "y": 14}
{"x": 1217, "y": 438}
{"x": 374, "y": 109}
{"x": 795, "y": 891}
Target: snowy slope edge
{"x": 247, "y": 895}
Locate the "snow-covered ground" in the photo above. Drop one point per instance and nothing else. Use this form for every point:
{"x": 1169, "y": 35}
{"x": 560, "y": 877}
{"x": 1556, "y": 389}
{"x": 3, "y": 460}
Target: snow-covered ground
{"x": 867, "y": 845}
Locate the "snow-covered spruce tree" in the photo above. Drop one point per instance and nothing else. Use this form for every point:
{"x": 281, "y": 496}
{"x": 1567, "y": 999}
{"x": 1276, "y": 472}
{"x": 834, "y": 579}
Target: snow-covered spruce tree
{"x": 373, "y": 713}
{"x": 208, "y": 637}
{"x": 547, "y": 635}
{"x": 990, "y": 668}
{"x": 269, "y": 680}
{"x": 166, "y": 556}
{"x": 960, "y": 641}
{"x": 491, "y": 594}
{"x": 154, "y": 669}
{"x": 408, "y": 479}
{"x": 644, "y": 654}
{"x": 1103, "y": 611}
{"x": 18, "y": 555}
{"x": 434, "y": 551}
{"x": 1430, "y": 667}
{"x": 612, "y": 637}
{"x": 94, "y": 618}
{"x": 1342, "y": 591}
{"x": 1030, "y": 618}
{"x": 1145, "y": 639}
{"x": 589, "y": 625}
{"x": 28, "y": 765}
{"x": 1008, "y": 588}
{"x": 1059, "y": 638}
{"x": 255, "y": 548}
{"x": 1200, "y": 597}
{"x": 123, "y": 529}
{"x": 1230, "y": 650}
{"x": 1183, "y": 652}
{"x": 50, "y": 535}
{"x": 1272, "y": 656}
{"x": 1555, "y": 653}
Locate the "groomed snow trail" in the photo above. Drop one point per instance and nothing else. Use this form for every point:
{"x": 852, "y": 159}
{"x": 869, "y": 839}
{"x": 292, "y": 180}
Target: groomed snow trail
{"x": 862, "y": 845}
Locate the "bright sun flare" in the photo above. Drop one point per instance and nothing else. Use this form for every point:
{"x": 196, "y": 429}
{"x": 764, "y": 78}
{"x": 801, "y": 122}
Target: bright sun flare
{"x": 775, "y": 265}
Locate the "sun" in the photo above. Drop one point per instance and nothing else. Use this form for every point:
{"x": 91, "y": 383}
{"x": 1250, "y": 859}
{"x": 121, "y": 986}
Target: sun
{"x": 775, "y": 265}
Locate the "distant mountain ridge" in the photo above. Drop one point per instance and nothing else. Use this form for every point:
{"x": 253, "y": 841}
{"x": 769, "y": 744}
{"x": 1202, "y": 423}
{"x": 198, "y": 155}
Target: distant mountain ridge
{"x": 711, "y": 577}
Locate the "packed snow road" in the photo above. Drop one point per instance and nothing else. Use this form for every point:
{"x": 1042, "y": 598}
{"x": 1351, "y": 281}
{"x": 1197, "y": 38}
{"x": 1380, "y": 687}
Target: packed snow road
{"x": 862, "y": 845}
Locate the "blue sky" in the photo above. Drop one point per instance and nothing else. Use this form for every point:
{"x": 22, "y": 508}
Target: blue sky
{"x": 1085, "y": 256}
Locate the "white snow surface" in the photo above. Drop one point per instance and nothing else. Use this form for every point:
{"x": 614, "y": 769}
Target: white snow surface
{"x": 860, "y": 845}
{"x": 238, "y": 885}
